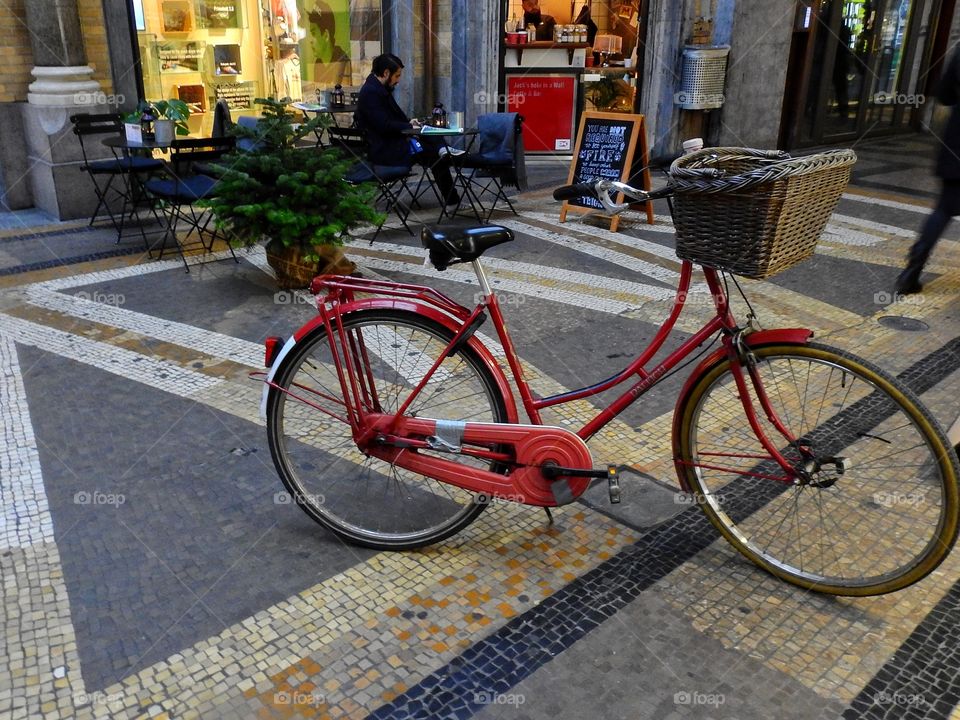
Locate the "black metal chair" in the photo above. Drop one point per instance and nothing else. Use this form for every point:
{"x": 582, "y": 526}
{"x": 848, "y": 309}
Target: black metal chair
{"x": 498, "y": 163}
{"x": 184, "y": 187}
{"x": 391, "y": 181}
{"x": 106, "y": 173}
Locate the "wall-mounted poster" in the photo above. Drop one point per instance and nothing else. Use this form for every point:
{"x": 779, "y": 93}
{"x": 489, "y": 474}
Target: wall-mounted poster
{"x": 180, "y": 57}
{"x": 194, "y": 96}
{"x": 219, "y": 14}
{"x": 226, "y": 60}
{"x": 239, "y": 96}
{"x": 177, "y": 15}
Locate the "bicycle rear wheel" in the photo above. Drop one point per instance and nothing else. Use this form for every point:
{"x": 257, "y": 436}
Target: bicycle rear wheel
{"x": 363, "y": 499}
{"x": 882, "y": 519}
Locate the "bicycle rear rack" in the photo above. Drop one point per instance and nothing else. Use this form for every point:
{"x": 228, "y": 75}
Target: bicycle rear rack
{"x": 343, "y": 288}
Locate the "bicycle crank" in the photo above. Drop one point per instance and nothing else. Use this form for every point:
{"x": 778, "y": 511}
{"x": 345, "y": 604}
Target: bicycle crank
{"x": 546, "y": 466}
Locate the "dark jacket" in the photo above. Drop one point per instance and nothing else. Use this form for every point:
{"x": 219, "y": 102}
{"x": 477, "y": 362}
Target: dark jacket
{"x": 383, "y": 122}
{"x": 948, "y": 93}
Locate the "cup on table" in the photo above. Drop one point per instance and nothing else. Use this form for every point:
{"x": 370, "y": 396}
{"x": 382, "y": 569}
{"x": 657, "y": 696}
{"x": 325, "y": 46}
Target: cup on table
{"x": 455, "y": 120}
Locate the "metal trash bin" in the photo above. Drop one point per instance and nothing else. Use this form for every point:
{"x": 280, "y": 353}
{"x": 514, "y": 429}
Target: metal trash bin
{"x": 702, "y": 77}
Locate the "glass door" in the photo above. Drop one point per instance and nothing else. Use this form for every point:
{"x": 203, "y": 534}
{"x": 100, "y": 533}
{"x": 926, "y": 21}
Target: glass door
{"x": 888, "y": 97}
{"x": 849, "y": 65}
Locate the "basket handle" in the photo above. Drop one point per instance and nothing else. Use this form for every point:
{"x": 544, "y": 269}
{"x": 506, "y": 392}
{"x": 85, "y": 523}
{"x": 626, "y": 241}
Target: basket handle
{"x": 691, "y": 166}
{"x": 780, "y": 165}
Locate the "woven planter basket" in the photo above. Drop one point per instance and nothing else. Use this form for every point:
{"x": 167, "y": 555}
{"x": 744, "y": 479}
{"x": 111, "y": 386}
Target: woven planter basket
{"x": 293, "y": 272}
{"x": 754, "y": 212}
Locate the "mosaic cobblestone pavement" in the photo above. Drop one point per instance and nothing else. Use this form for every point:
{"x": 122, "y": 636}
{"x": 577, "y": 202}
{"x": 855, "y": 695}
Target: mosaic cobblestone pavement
{"x": 153, "y": 567}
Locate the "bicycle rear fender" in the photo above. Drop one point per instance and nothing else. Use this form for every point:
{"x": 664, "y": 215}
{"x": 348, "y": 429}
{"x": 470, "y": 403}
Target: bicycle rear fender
{"x": 797, "y": 336}
{"x": 420, "y": 308}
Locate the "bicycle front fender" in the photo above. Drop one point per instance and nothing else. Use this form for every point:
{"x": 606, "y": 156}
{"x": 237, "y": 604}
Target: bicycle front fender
{"x": 799, "y": 336}
{"x": 420, "y": 308}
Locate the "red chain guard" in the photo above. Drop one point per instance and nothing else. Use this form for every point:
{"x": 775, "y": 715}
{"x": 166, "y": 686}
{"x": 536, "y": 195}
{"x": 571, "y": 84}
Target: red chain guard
{"x": 530, "y": 445}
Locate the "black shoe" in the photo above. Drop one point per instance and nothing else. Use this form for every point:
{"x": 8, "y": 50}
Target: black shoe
{"x": 908, "y": 282}
{"x": 452, "y": 199}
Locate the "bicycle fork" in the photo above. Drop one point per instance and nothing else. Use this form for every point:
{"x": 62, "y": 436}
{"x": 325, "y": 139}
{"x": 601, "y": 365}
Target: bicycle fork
{"x": 741, "y": 356}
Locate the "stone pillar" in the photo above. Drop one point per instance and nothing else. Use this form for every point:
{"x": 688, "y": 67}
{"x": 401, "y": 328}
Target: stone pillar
{"x": 475, "y": 48}
{"x": 63, "y": 87}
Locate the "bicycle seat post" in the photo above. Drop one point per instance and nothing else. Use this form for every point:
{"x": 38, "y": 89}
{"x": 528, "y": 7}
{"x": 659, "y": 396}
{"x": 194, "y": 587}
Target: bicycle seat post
{"x": 482, "y": 279}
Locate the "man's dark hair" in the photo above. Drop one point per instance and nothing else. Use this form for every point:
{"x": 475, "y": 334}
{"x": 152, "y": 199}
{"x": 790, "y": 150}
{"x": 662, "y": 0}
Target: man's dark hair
{"x": 385, "y": 62}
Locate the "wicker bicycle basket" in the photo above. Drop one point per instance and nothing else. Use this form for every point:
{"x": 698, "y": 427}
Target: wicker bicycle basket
{"x": 754, "y": 212}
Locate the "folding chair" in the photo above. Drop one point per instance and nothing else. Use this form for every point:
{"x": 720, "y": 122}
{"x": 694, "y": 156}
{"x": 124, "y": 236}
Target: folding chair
{"x": 184, "y": 187}
{"x": 499, "y": 161}
{"x": 104, "y": 174}
{"x": 391, "y": 181}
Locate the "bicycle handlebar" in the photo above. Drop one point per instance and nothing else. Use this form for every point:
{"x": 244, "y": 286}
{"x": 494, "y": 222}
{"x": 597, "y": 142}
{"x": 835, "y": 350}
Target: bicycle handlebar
{"x": 569, "y": 192}
{"x": 603, "y": 190}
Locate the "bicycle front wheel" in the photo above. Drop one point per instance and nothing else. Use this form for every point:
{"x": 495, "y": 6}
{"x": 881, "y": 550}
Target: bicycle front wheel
{"x": 877, "y": 509}
{"x": 363, "y": 499}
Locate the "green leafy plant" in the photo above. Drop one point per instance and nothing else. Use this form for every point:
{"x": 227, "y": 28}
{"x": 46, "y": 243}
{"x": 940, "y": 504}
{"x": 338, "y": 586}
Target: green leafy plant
{"x": 176, "y": 110}
{"x": 134, "y": 116}
{"x": 293, "y": 195}
{"x": 173, "y": 109}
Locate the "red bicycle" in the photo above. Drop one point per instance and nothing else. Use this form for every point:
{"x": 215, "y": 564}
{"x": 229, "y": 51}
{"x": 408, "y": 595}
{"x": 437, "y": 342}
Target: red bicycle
{"x": 394, "y": 426}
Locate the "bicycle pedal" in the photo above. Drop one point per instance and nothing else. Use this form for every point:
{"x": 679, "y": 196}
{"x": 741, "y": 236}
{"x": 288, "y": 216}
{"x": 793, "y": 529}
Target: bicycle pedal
{"x": 613, "y": 484}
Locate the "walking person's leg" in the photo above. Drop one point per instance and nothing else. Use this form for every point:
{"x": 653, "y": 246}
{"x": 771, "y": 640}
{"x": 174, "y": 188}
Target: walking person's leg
{"x": 947, "y": 207}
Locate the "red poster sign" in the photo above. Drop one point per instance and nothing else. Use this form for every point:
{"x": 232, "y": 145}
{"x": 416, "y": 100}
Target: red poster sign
{"x": 547, "y": 104}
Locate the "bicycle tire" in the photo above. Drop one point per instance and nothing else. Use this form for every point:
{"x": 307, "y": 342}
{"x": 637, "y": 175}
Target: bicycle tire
{"x": 311, "y": 450}
{"x": 880, "y": 525}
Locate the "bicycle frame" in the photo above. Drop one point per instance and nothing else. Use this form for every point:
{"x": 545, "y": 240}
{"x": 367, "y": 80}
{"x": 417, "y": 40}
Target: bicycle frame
{"x": 337, "y": 296}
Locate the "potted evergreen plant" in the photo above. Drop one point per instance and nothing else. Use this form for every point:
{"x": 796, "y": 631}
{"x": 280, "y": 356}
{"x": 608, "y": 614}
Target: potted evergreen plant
{"x": 293, "y": 198}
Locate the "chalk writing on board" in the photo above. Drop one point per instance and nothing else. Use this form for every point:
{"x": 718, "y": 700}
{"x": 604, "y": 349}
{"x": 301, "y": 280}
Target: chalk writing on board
{"x": 601, "y": 154}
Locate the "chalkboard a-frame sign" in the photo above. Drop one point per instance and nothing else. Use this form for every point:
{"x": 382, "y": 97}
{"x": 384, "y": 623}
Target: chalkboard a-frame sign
{"x": 607, "y": 145}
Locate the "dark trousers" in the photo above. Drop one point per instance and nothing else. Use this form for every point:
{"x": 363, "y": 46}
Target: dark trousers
{"x": 948, "y": 206}
{"x": 439, "y": 165}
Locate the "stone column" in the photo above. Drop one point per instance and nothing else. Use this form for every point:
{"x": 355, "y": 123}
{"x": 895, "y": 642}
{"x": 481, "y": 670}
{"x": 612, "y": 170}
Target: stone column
{"x": 61, "y": 69}
{"x": 63, "y": 86}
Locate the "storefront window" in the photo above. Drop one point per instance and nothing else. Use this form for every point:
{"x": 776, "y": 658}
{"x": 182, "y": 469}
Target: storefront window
{"x": 322, "y": 44}
{"x": 202, "y": 51}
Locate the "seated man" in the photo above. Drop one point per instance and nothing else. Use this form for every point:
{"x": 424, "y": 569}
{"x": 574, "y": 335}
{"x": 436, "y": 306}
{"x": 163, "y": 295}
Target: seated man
{"x": 383, "y": 122}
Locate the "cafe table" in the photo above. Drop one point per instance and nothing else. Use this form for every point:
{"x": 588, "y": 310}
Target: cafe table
{"x": 330, "y": 110}
{"x": 123, "y": 147}
{"x": 448, "y": 137}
